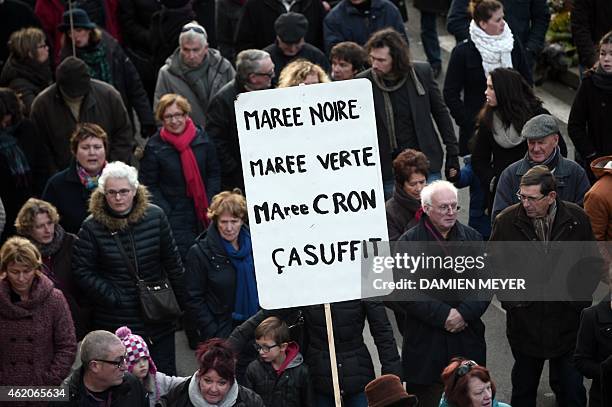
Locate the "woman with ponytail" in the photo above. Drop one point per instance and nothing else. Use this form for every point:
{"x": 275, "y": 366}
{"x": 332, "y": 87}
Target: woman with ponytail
{"x": 490, "y": 45}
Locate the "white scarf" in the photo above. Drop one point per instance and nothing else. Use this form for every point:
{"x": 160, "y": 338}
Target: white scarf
{"x": 195, "y": 396}
{"x": 495, "y": 50}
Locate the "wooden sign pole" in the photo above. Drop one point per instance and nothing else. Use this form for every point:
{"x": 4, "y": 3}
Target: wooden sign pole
{"x": 332, "y": 355}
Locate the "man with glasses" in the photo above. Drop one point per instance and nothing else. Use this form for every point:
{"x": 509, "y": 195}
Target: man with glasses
{"x": 103, "y": 379}
{"x": 542, "y": 135}
{"x": 194, "y": 71}
{"x": 437, "y": 330}
{"x": 254, "y": 71}
{"x": 543, "y": 330}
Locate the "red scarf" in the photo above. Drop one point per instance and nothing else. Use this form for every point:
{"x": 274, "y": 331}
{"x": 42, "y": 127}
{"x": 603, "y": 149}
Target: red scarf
{"x": 191, "y": 171}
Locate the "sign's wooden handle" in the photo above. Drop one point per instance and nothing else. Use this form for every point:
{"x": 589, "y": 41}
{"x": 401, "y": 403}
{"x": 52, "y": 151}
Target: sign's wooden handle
{"x": 332, "y": 354}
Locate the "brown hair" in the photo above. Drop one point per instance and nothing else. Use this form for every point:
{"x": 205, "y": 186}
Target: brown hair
{"x": 216, "y": 354}
{"x": 350, "y": 52}
{"x": 26, "y": 218}
{"x": 606, "y": 39}
{"x": 482, "y": 10}
{"x": 398, "y": 48}
{"x": 23, "y": 44}
{"x": 232, "y": 202}
{"x": 168, "y": 100}
{"x": 274, "y": 328}
{"x": 84, "y": 131}
{"x": 409, "y": 162}
{"x": 456, "y": 384}
{"x": 95, "y": 36}
{"x": 21, "y": 251}
{"x": 297, "y": 71}
{"x": 540, "y": 175}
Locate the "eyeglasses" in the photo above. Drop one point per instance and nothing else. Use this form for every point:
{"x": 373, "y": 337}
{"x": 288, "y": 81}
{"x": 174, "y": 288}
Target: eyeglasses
{"x": 263, "y": 348}
{"x": 268, "y": 74}
{"x": 117, "y": 363}
{"x": 195, "y": 29}
{"x": 462, "y": 370}
{"x": 122, "y": 193}
{"x": 175, "y": 116}
{"x": 446, "y": 208}
{"x": 530, "y": 199}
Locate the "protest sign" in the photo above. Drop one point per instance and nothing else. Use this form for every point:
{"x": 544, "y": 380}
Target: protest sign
{"x": 314, "y": 190}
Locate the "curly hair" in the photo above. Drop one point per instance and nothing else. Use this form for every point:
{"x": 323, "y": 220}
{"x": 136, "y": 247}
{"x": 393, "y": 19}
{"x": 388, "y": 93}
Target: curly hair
{"x": 297, "y": 71}
{"x": 26, "y": 218}
{"x": 216, "y": 354}
{"x": 456, "y": 384}
{"x": 410, "y": 162}
{"x": 231, "y": 202}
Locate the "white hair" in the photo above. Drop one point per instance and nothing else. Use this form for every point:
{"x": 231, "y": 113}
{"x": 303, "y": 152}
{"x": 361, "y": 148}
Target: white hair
{"x": 434, "y": 187}
{"x": 118, "y": 169}
{"x": 188, "y": 33}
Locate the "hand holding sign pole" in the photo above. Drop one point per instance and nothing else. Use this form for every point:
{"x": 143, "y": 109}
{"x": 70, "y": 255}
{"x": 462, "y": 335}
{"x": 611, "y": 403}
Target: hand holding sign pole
{"x": 314, "y": 192}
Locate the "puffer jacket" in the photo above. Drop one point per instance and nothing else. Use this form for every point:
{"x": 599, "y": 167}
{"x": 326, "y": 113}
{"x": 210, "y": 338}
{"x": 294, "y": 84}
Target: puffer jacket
{"x": 211, "y": 285}
{"x": 290, "y": 389}
{"x": 101, "y": 271}
{"x": 179, "y": 397}
{"x": 36, "y": 336}
{"x": 161, "y": 171}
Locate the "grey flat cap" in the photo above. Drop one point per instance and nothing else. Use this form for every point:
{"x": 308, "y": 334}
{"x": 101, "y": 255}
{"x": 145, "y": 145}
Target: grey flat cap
{"x": 540, "y": 126}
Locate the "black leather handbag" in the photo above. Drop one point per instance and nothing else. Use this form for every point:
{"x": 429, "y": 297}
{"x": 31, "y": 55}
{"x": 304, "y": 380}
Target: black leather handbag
{"x": 157, "y": 299}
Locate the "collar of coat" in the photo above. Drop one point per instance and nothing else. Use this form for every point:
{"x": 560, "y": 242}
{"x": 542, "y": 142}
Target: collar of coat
{"x": 101, "y": 212}
{"x": 563, "y": 216}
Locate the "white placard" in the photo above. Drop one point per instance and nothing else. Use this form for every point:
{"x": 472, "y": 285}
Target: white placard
{"x": 314, "y": 190}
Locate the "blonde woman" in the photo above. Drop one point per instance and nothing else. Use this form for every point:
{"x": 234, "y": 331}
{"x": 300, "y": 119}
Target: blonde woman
{"x": 301, "y": 72}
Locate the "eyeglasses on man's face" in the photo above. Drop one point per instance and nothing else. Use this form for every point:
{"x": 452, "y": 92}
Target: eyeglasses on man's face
{"x": 117, "y": 363}
{"x": 268, "y": 74}
{"x": 263, "y": 348}
{"x": 530, "y": 199}
{"x": 121, "y": 192}
{"x": 446, "y": 208}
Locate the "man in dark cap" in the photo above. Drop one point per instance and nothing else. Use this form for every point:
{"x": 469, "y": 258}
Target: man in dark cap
{"x": 76, "y": 98}
{"x": 290, "y": 31}
{"x": 542, "y": 134}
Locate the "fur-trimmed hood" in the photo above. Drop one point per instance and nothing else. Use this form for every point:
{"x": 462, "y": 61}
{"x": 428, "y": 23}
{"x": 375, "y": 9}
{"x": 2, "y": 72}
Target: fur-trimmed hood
{"x": 101, "y": 212}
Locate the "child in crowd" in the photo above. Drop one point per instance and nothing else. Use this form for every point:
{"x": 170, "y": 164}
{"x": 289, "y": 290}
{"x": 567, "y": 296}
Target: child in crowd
{"x": 140, "y": 364}
{"x": 279, "y": 376}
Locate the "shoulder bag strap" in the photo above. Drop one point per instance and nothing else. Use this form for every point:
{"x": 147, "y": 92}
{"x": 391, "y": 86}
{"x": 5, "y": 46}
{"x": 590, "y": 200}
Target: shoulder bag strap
{"x": 125, "y": 256}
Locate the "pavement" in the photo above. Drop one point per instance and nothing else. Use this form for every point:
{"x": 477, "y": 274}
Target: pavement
{"x": 557, "y": 98}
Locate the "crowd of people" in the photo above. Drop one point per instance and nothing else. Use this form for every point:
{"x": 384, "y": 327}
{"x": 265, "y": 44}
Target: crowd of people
{"x": 123, "y": 216}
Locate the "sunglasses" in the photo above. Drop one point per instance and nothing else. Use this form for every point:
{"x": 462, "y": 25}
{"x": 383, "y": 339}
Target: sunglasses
{"x": 462, "y": 370}
{"x": 195, "y": 29}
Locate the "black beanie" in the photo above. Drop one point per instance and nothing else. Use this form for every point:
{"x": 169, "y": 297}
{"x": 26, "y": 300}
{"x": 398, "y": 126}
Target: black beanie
{"x": 72, "y": 77}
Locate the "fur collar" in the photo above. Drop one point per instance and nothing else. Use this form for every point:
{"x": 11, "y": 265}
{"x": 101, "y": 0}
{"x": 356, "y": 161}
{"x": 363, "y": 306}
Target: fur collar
{"x": 101, "y": 212}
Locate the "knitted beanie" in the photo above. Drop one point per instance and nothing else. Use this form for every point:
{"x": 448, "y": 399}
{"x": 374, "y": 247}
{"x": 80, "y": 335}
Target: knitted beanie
{"x": 135, "y": 348}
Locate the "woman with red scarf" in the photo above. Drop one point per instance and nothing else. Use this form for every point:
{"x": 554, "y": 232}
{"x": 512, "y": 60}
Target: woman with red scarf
{"x": 181, "y": 170}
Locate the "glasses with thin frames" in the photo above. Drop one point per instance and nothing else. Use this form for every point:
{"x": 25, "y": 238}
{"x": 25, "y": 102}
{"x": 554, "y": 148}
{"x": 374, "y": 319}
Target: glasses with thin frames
{"x": 264, "y": 348}
{"x": 446, "y": 208}
{"x": 530, "y": 199}
{"x": 122, "y": 193}
{"x": 172, "y": 117}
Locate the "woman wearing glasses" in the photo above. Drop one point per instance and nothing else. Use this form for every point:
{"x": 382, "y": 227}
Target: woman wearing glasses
{"x": 36, "y": 331}
{"x": 466, "y": 384}
{"x": 181, "y": 170}
{"x": 127, "y": 236}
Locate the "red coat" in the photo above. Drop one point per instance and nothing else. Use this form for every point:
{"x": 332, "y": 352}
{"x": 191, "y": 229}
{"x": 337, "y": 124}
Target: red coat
{"x": 50, "y": 13}
{"x": 36, "y": 336}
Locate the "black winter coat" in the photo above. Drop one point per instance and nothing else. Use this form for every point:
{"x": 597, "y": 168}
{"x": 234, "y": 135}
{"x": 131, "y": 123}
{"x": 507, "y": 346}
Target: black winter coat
{"x": 135, "y": 22}
{"x": 355, "y": 368}
{"x": 26, "y": 78}
{"x": 68, "y": 194}
{"x": 179, "y": 397}
{"x": 427, "y": 346}
{"x": 14, "y": 192}
{"x": 161, "y": 171}
{"x": 125, "y": 78}
{"x": 543, "y": 329}
{"x": 166, "y": 26}
{"x": 211, "y": 285}
{"x": 466, "y": 83}
{"x": 129, "y": 393}
{"x": 590, "y": 20}
{"x": 594, "y": 347}
{"x": 227, "y": 16}
{"x": 221, "y": 126}
{"x": 291, "y": 389}
{"x": 401, "y": 209}
{"x": 103, "y": 274}
{"x": 256, "y": 25}
{"x": 589, "y": 126}
{"x": 308, "y": 52}
{"x": 423, "y": 108}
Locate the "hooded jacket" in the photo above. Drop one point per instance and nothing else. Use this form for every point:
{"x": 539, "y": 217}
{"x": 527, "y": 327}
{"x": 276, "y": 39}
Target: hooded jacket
{"x": 101, "y": 271}
{"x": 199, "y": 94}
{"x": 289, "y": 388}
{"x": 36, "y": 336}
{"x": 598, "y": 201}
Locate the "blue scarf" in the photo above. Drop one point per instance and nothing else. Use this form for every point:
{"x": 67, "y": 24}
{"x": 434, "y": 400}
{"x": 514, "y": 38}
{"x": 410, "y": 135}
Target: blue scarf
{"x": 14, "y": 156}
{"x": 247, "y": 302}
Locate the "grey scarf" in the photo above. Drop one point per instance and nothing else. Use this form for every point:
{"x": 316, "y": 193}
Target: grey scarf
{"x": 506, "y": 137}
{"x": 196, "y": 78}
{"x": 389, "y": 115}
{"x": 195, "y": 396}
